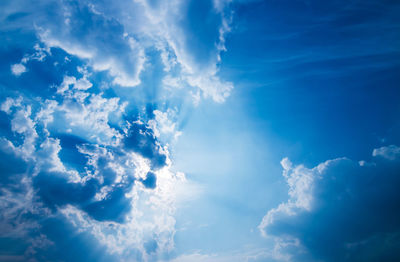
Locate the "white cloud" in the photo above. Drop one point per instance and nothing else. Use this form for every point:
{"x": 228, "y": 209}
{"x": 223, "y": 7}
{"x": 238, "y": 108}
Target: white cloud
{"x": 115, "y": 39}
{"x": 22, "y": 124}
{"x": 80, "y": 84}
{"x": 164, "y": 125}
{"x": 119, "y": 37}
{"x": 152, "y": 213}
{"x": 389, "y": 152}
{"x": 7, "y": 105}
{"x": 248, "y": 254}
{"x": 39, "y": 55}
{"x": 300, "y": 181}
{"x": 18, "y": 69}
{"x": 211, "y": 86}
{"x": 82, "y": 112}
{"x": 175, "y": 49}
{"x": 103, "y": 45}
{"x": 151, "y": 218}
{"x": 155, "y": 25}
{"x": 321, "y": 203}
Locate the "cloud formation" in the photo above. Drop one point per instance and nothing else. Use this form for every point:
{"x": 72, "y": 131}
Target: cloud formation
{"x": 84, "y": 151}
{"x": 340, "y": 210}
{"x": 121, "y": 38}
{"x": 18, "y": 69}
{"x": 111, "y": 191}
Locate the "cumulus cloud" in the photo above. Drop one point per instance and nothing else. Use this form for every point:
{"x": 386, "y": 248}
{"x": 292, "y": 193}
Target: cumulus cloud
{"x": 118, "y": 41}
{"x": 18, "y": 69}
{"x": 118, "y": 38}
{"x": 164, "y": 124}
{"x": 82, "y": 31}
{"x": 82, "y": 159}
{"x": 110, "y": 183}
{"x": 188, "y": 52}
{"x": 341, "y": 210}
{"x": 22, "y": 124}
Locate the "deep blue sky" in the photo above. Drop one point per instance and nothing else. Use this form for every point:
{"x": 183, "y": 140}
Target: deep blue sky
{"x": 202, "y": 130}
{"x": 323, "y": 75}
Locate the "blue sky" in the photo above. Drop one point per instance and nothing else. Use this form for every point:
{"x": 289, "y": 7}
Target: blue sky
{"x": 224, "y": 130}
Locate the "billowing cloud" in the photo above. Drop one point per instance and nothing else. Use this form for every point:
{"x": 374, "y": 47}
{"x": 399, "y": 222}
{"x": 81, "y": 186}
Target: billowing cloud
{"x": 111, "y": 188}
{"x": 190, "y": 51}
{"x": 121, "y": 38}
{"x": 74, "y": 158}
{"x": 341, "y": 210}
{"x": 82, "y": 31}
{"x": 84, "y": 150}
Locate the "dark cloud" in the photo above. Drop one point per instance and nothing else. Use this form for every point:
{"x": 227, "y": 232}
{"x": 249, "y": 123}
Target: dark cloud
{"x": 113, "y": 208}
{"x": 69, "y": 245}
{"x": 12, "y": 167}
{"x": 55, "y": 190}
{"x": 141, "y": 139}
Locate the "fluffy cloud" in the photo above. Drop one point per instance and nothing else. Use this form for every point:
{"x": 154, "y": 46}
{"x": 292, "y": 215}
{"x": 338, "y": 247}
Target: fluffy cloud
{"x": 188, "y": 52}
{"x": 18, "y": 69}
{"x": 22, "y": 124}
{"x": 82, "y": 31}
{"x": 64, "y": 161}
{"x": 120, "y": 38}
{"x": 341, "y": 210}
{"x": 83, "y": 156}
{"x": 164, "y": 124}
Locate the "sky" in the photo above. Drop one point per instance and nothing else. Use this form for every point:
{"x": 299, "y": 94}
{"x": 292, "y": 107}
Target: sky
{"x": 199, "y": 130}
